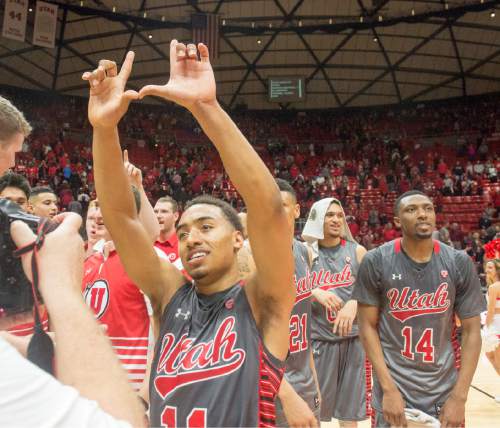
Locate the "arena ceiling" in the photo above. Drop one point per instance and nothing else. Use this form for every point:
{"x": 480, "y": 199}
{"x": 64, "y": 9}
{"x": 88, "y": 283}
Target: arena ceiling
{"x": 350, "y": 52}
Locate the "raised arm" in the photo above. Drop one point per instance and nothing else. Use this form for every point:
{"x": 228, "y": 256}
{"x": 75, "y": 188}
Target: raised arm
{"x": 270, "y": 290}
{"x": 147, "y": 215}
{"x": 108, "y": 102}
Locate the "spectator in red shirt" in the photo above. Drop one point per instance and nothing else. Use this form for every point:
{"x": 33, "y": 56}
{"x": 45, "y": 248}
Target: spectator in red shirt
{"x": 167, "y": 213}
{"x": 389, "y": 232}
{"x": 442, "y": 167}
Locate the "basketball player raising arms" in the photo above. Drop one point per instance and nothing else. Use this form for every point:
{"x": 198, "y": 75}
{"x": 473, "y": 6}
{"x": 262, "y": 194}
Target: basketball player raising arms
{"x": 408, "y": 291}
{"x": 219, "y": 356}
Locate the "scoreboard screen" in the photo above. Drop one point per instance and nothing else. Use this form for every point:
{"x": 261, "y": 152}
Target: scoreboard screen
{"x": 286, "y": 89}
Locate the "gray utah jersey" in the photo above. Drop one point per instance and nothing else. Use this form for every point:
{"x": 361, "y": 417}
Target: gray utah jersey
{"x": 417, "y": 303}
{"x": 210, "y": 366}
{"x": 298, "y": 371}
{"x": 334, "y": 270}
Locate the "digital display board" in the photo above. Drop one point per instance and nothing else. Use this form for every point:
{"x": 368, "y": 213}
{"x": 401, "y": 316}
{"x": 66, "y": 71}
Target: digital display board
{"x": 286, "y": 89}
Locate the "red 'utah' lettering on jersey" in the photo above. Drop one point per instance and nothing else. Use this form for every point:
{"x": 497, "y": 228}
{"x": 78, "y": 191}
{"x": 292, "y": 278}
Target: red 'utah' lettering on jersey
{"x": 405, "y": 305}
{"x": 182, "y": 362}
{"x": 326, "y": 280}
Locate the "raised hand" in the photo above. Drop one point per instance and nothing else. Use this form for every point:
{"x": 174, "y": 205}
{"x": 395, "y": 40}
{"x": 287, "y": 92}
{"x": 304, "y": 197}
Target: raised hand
{"x": 108, "y": 100}
{"x": 134, "y": 173}
{"x": 191, "y": 80}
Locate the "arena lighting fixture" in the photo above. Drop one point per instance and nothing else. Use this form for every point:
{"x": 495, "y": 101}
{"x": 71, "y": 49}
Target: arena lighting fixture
{"x": 270, "y": 25}
{"x": 253, "y": 24}
{"x": 330, "y": 21}
{"x": 114, "y": 9}
{"x": 150, "y": 36}
{"x": 492, "y": 14}
{"x": 163, "y": 19}
{"x": 380, "y": 18}
{"x": 413, "y": 12}
{"x": 361, "y": 19}
{"x": 145, "y": 15}
{"x": 300, "y": 23}
{"x": 223, "y": 22}
{"x": 375, "y": 39}
{"x": 259, "y": 41}
{"x": 446, "y": 6}
{"x": 30, "y": 10}
{"x": 81, "y": 4}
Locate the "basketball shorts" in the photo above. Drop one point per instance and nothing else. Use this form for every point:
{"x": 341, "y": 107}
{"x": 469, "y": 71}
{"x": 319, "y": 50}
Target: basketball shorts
{"x": 344, "y": 376}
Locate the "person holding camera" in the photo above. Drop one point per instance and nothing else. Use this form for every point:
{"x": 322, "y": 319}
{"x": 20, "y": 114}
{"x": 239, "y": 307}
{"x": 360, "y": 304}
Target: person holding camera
{"x": 99, "y": 394}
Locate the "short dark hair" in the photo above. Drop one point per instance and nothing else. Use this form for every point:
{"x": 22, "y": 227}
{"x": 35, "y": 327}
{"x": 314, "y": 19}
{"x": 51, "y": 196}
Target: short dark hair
{"x": 228, "y": 211}
{"x": 171, "y": 201}
{"x": 35, "y": 191}
{"x": 405, "y": 195}
{"x": 285, "y": 186}
{"x": 11, "y": 179}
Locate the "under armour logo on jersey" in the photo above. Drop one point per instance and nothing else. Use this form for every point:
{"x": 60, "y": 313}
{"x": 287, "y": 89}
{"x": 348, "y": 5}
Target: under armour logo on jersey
{"x": 185, "y": 315}
{"x": 398, "y": 276}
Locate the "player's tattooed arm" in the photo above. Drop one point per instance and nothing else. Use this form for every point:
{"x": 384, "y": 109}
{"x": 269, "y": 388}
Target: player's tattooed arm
{"x": 147, "y": 215}
{"x": 453, "y": 411}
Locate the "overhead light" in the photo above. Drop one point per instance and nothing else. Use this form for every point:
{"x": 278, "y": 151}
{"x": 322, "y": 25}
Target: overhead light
{"x": 446, "y": 6}
{"x": 145, "y": 15}
{"x": 270, "y": 25}
{"x": 150, "y": 36}
{"x": 380, "y": 18}
{"x": 162, "y": 19}
{"x": 30, "y": 10}
{"x": 492, "y": 14}
{"x": 375, "y": 39}
{"x": 114, "y": 9}
{"x": 330, "y": 21}
{"x": 223, "y": 22}
{"x": 253, "y": 24}
{"x": 413, "y": 12}
{"x": 360, "y": 19}
{"x": 81, "y": 4}
{"x": 300, "y": 23}
{"x": 259, "y": 41}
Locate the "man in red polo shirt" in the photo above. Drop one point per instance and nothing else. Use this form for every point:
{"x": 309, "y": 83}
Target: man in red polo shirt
{"x": 167, "y": 213}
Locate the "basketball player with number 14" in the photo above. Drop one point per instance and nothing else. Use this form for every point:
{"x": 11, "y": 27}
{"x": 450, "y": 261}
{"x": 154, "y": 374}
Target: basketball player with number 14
{"x": 408, "y": 292}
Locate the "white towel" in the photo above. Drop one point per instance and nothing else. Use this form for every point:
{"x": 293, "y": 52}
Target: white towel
{"x": 416, "y": 418}
{"x": 313, "y": 229}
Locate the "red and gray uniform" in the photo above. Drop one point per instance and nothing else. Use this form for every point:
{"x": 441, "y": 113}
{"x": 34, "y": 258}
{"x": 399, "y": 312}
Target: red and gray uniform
{"x": 211, "y": 367}
{"x": 298, "y": 370}
{"x": 119, "y": 304}
{"x": 344, "y": 374}
{"x": 417, "y": 303}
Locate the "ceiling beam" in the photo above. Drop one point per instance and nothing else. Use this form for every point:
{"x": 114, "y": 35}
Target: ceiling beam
{"x": 457, "y": 76}
{"x": 397, "y": 63}
{"x": 29, "y": 79}
{"x": 59, "y": 48}
{"x": 383, "y": 52}
{"x": 457, "y": 53}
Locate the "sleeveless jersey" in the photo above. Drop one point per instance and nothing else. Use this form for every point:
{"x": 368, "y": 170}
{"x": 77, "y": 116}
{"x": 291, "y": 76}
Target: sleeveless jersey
{"x": 334, "y": 270}
{"x": 417, "y": 303}
{"x": 118, "y": 303}
{"x": 298, "y": 371}
{"x": 210, "y": 366}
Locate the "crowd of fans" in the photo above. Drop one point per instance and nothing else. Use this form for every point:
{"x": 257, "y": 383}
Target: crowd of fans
{"x": 448, "y": 150}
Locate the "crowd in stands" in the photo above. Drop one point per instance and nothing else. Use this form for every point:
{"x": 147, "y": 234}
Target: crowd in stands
{"x": 365, "y": 158}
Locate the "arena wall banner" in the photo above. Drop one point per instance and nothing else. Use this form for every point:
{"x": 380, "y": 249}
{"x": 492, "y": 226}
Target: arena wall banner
{"x": 14, "y": 19}
{"x": 44, "y": 33}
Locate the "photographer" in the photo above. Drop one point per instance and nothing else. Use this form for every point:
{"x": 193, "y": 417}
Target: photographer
{"x": 84, "y": 358}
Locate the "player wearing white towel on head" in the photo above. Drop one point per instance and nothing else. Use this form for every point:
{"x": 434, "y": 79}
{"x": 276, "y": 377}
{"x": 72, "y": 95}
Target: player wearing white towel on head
{"x": 343, "y": 373}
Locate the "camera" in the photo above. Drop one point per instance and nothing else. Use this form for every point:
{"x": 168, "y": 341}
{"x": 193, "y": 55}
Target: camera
{"x": 16, "y": 294}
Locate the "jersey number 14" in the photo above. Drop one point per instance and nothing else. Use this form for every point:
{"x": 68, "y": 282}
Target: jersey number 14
{"x": 424, "y": 345}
